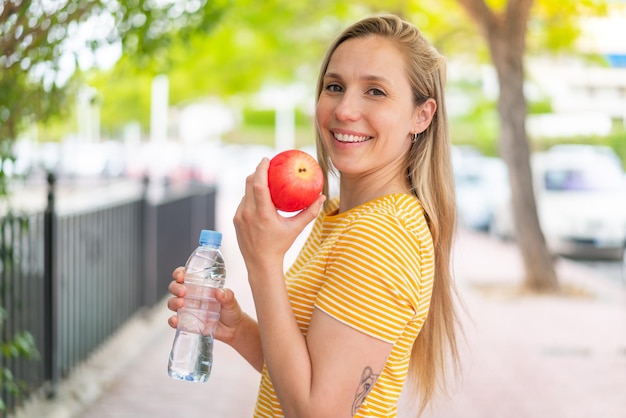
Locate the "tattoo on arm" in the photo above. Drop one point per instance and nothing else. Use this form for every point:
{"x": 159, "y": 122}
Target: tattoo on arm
{"x": 368, "y": 379}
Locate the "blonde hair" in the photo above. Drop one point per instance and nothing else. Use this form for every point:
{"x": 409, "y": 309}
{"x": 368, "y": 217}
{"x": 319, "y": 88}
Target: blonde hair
{"x": 429, "y": 171}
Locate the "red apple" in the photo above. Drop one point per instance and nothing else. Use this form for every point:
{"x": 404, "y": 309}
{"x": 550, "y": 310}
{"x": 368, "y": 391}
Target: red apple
{"x": 295, "y": 180}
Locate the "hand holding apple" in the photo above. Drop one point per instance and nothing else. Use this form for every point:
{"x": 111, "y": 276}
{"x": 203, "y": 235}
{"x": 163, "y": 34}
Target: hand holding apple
{"x": 295, "y": 180}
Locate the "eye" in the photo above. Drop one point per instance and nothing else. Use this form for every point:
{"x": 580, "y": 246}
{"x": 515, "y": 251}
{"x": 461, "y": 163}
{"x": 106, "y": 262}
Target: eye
{"x": 333, "y": 88}
{"x": 375, "y": 91}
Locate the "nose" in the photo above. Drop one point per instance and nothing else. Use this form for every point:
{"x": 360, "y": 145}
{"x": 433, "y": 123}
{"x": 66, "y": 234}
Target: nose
{"x": 347, "y": 108}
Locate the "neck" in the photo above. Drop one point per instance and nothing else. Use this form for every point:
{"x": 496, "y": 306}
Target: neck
{"x": 355, "y": 193}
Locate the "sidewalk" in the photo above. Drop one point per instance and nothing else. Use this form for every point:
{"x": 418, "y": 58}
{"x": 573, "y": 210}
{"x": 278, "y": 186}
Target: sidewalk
{"x": 537, "y": 356}
{"x": 525, "y": 356}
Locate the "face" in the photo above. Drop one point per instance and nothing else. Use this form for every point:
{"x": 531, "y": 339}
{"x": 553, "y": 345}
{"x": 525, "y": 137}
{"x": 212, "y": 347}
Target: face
{"x": 365, "y": 112}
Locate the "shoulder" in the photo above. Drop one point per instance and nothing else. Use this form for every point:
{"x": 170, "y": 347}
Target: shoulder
{"x": 390, "y": 216}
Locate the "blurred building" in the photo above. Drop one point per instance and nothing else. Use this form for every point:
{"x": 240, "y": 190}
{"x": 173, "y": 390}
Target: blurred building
{"x": 576, "y": 88}
{"x": 586, "y": 97}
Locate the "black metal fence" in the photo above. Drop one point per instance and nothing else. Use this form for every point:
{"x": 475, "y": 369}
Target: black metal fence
{"x": 71, "y": 277}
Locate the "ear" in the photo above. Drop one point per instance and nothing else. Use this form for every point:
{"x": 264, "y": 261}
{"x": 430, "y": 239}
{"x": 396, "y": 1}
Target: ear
{"x": 423, "y": 115}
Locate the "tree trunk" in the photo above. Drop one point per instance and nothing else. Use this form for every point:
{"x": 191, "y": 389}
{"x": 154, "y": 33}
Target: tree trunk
{"x": 505, "y": 35}
{"x": 515, "y": 150}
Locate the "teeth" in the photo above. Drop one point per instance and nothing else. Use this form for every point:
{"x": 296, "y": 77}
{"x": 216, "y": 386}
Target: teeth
{"x": 350, "y": 138}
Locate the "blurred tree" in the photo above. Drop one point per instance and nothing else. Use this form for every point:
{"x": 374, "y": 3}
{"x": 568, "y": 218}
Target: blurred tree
{"x": 37, "y": 37}
{"x": 277, "y": 41}
{"x": 507, "y": 26}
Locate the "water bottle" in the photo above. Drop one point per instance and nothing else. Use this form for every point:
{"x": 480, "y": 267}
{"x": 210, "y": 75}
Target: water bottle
{"x": 191, "y": 356}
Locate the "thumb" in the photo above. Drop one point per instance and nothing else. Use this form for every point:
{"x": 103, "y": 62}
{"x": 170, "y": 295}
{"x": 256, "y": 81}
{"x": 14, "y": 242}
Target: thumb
{"x": 310, "y": 213}
{"x": 226, "y": 297}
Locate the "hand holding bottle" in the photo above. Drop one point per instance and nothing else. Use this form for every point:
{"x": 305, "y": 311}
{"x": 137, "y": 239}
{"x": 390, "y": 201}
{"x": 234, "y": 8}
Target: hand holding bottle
{"x": 231, "y": 314}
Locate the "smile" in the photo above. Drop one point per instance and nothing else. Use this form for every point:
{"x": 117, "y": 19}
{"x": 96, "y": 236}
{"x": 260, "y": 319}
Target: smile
{"x": 350, "y": 138}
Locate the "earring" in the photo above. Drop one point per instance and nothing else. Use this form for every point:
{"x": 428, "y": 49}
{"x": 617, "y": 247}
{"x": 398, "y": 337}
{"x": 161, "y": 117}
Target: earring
{"x": 415, "y": 136}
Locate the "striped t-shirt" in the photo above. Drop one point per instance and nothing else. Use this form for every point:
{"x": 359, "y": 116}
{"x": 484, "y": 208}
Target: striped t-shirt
{"x": 371, "y": 268}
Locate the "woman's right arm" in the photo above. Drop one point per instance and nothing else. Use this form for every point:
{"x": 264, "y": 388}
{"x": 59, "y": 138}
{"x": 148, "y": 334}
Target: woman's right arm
{"x": 236, "y": 328}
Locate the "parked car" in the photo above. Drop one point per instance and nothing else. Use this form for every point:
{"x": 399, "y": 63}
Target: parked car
{"x": 481, "y": 184}
{"x": 581, "y": 202}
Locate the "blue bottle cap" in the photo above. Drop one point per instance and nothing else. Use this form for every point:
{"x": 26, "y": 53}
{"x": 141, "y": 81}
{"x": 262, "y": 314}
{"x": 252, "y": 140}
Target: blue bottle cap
{"x": 208, "y": 237}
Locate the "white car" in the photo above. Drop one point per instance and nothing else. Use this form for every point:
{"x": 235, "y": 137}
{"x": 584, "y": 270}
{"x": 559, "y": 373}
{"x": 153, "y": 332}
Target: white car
{"x": 581, "y": 203}
{"x": 481, "y": 183}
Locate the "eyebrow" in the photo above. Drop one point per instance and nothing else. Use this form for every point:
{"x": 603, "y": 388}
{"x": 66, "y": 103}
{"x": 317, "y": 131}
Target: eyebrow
{"x": 366, "y": 78}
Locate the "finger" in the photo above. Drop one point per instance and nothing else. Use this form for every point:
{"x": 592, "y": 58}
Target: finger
{"x": 261, "y": 168}
{"x": 179, "y": 274}
{"x": 173, "y": 321}
{"x": 256, "y": 201}
{"x": 177, "y": 289}
{"x": 231, "y": 310}
{"x": 316, "y": 206}
{"x": 260, "y": 189}
{"x": 247, "y": 200}
{"x": 255, "y": 178}
{"x": 224, "y": 296}
{"x": 175, "y": 303}
{"x": 307, "y": 215}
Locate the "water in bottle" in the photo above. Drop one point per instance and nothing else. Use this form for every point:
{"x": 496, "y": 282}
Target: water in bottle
{"x": 191, "y": 357}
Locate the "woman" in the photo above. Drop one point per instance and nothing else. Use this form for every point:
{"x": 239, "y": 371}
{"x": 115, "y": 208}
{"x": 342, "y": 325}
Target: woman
{"x": 368, "y": 301}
